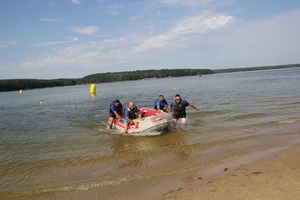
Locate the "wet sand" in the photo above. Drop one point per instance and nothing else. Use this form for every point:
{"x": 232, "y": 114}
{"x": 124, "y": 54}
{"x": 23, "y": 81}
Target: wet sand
{"x": 274, "y": 174}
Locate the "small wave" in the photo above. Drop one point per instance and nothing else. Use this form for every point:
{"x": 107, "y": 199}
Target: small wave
{"x": 246, "y": 116}
{"x": 291, "y": 121}
{"x": 288, "y": 121}
{"x": 143, "y": 134}
{"x": 83, "y": 186}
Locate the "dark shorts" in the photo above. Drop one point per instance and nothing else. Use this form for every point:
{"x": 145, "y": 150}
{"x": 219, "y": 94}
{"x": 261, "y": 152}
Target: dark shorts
{"x": 175, "y": 116}
{"x": 113, "y": 115}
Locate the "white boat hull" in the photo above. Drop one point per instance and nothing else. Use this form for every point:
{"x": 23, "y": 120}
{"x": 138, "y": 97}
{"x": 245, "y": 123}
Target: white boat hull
{"x": 152, "y": 121}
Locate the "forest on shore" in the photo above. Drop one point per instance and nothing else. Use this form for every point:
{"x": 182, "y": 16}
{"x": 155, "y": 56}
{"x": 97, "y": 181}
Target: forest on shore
{"x": 24, "y": 84}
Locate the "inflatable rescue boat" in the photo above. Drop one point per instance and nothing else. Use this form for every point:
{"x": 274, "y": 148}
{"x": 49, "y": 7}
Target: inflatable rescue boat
{"x": 151, "y": 120}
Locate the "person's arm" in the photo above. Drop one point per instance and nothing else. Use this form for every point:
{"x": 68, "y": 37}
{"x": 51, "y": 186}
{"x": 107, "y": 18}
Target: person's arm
{"x": 191, "y": 105}
{"x": 117, "y": 114}
{"x": 157, "y": 104}
{"x": 171, "y": 107}
{"x": 138, "y": 112}
{"x": 166, "y": 106}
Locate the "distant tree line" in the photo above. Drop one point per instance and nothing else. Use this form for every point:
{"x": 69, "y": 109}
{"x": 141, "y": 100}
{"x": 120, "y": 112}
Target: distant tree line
{"x": 254, "y": 68}
{"x": 23, "y": 84}
{"x": 141, "y": 74}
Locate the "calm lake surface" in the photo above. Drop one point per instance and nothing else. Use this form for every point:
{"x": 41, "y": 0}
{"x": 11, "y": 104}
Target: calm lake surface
{"x": 63, "y": 145}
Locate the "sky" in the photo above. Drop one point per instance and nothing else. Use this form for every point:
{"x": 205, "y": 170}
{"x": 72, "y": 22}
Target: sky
{"x": 48, "y": 39}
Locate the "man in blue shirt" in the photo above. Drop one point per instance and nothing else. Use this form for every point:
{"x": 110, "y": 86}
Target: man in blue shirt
{"x": 115, "y": 110}
{"x": 131, "y": 113}
{"x": 177, "y": 108}
{"x": 161, "y": 104}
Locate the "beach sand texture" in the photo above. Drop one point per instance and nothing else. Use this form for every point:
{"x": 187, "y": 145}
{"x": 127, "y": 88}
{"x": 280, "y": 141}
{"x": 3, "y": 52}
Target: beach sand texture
{"x": 270, "y": 175}
{"x": 275, "y": 177}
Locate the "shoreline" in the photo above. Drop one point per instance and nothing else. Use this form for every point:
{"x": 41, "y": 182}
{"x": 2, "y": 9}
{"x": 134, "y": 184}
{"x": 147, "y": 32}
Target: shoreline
{"x": 272, "y": 174}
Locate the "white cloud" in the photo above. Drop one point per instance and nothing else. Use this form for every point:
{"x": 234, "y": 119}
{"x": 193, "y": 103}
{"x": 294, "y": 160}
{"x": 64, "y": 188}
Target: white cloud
{"x": 114, "y": 9}
{"x": 191, "y": 5}
{"x": 76, "y": 2}
{"x": 281, "y": 29}
{"x": 51, "y": 43}
{"x": 136, "y": 17}
{"x": 201, "y": 24}
{"x": 123, "y": 49}
{"x": 184, "y": 3}
{"x": 87, "y": 30}
{"x": 187, "y": 3}
{"x": 71, "y": 39}
{"x": 49, "y": 20}
{"x": 198, "y": 32}
{"x": 186, "y": 29}
{"x": 8, "y": 43}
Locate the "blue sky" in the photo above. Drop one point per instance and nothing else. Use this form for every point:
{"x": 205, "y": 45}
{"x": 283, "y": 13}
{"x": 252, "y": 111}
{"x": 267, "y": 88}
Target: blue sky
{"x": 49, "y": 39}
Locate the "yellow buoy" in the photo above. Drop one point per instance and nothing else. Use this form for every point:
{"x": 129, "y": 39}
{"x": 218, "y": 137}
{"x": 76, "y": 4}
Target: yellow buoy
{"x": 93, "y": 88}
{"x": 21, "y": 91}
{"x": 175, "y": 88}
{"x": 41, "y": 103}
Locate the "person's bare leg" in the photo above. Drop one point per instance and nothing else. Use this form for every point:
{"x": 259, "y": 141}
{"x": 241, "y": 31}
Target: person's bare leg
{"x": 183, "y": 121}
{"x": 125, "y": 127}
{"x": 174, "y": 122}
{"x": 111, "y": 119}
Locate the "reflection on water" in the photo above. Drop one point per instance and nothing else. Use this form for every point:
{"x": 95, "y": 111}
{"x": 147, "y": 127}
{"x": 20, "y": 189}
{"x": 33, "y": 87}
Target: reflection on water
{"x": 63, "y": 144}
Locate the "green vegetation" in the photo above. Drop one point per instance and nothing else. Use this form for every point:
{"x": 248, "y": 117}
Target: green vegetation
{"x": 23, "y": 84}
{"x": 254, "y": 68}
{"x": 141, "y": 74}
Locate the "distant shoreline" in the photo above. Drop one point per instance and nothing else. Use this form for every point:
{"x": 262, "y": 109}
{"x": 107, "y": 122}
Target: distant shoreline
{"x": 229, "y": 70}
{"x": 7, "y": 85}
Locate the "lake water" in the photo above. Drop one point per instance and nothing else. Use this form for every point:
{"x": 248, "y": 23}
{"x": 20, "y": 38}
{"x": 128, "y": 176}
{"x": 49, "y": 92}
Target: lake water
{"x": 63, "y": 146}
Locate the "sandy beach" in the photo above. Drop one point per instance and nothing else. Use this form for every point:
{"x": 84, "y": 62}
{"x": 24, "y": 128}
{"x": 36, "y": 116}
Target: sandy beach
{"x": 274, "y": 174}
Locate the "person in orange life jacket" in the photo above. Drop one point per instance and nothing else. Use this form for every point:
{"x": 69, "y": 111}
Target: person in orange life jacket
{"x": 161, "y": 104}
{"x": 131, "y": 113}
{"x": 177, "y": 108}
{"x": 115, "y": 111}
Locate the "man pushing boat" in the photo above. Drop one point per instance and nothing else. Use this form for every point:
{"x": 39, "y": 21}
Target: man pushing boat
{"x": 115, "y": 110}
